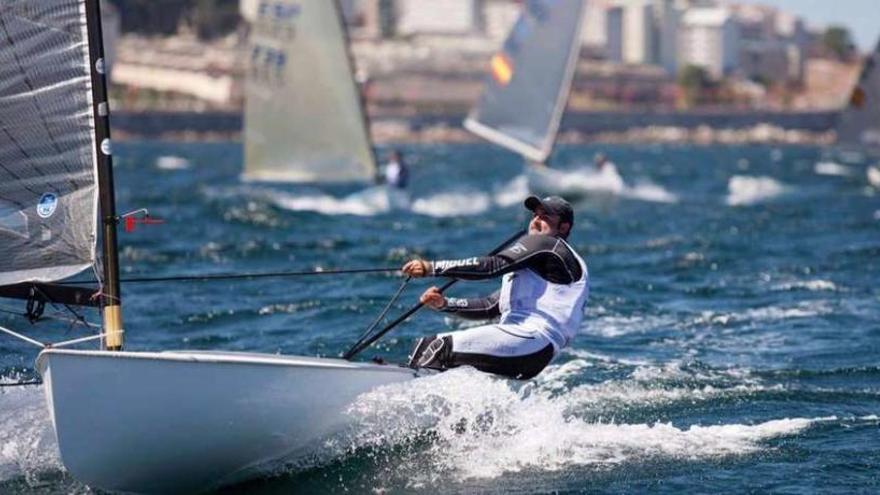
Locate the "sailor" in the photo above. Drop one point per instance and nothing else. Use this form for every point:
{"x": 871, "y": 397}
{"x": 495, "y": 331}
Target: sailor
{"x": 396, "y": 171}
{"x": 544, "y": 287}
{"x": 601, "y": 162}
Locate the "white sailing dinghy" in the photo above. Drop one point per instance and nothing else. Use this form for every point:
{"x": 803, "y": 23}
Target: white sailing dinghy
{"x": 858, "y": 124}
{"x": 157, "y": 422}
{"x": 526, "y": 92}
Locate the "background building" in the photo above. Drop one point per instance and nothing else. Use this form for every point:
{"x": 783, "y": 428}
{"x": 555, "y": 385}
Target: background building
{"x": 614, "y": 34}
{"x": 453, "y": 17}
{"x": 638, "y": 32}
{"x": 709, "y": 38}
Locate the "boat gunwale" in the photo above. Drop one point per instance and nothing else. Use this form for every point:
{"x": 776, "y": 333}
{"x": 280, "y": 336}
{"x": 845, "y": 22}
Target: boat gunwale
{"x": 227, "y": 357}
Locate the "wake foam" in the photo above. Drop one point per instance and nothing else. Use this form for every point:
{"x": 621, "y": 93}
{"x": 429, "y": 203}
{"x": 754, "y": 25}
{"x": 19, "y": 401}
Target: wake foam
{"x": 574, "y": 182}
{"x": 745, "y": 190}
{"x": 483, "y": 427}
{"x": 580, "y": 183}
{"x": 27, "y": 442}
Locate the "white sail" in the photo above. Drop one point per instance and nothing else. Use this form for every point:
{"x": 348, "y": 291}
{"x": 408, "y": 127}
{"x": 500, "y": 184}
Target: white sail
{"x": 304, "y": 120}
{"x": 530, "y": 78}
{"x": 48, "y": 163}
{"x": 859, "y": 123}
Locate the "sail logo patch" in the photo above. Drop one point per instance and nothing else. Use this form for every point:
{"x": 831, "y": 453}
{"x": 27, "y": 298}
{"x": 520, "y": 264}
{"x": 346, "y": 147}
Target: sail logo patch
{"x": 47, "y": 205}
{"x": 278, "y": 11}
{"x": 440, "y": 266}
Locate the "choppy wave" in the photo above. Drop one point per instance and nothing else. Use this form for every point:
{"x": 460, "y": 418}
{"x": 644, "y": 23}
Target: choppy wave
{"x": 481, "y": 427}
{"x": 453, "y": 204}
{"x": 172, "y": 162}
{"x": 873, "y": 174}
{"x": 617, "y": 325}
{"x": 806, "y": 309}
{"x": 832, "y": 168}
{"x": 810, "y": 285}
{"x": 746, "y": 190}
{"x": 369, "y": 202}
{"x": 650, "y": 192}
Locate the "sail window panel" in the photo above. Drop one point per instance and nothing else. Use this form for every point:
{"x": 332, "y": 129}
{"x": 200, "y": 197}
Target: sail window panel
{"x": 48, "y": 178}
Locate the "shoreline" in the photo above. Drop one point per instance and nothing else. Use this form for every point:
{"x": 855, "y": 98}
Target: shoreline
{"x": 695, "y": 127}
{"x": 704, "y": 135}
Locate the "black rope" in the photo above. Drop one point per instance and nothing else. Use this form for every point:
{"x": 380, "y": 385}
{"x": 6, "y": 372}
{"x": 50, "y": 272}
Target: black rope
{"x": 77, "y": 319}
{"x": 55, "y": 316}
{"x": 234, "y": 276}
{"x": 364, "y": 336}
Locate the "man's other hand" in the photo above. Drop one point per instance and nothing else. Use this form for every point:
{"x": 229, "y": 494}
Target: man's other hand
{"x": 433, "y": 298}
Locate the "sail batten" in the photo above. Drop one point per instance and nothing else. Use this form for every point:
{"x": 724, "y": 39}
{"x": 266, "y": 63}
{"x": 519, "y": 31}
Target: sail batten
{"x": 529, "y": 80}
{"x": 304, "y": 118}
{"x": 48, "y": 169}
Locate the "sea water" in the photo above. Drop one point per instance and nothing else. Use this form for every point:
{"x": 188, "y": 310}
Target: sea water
{"x": 731, "y": 342}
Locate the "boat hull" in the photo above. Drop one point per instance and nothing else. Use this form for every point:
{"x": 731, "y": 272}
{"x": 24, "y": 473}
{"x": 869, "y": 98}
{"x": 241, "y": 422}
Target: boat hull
{"x": 188, "y": 421}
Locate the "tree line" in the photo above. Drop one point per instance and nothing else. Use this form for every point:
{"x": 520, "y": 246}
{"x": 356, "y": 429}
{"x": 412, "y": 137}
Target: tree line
{"x": 208, "y": 18}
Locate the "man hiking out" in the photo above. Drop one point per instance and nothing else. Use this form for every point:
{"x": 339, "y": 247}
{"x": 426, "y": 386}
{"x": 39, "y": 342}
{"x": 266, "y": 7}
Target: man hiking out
{"x": 545, "y": 285}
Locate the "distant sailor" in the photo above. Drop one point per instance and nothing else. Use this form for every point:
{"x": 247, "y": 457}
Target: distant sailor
{"x": 603, "y": 164}
{"x": 396, "y": 171}
{"x": 545, "y": 285}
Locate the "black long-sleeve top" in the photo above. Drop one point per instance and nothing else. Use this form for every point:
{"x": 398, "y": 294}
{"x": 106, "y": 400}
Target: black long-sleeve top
{"x": 549, "y": 257}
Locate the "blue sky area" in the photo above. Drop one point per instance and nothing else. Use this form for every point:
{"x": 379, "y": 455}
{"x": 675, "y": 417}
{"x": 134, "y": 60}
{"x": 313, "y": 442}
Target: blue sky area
{"x": 862, "y": 17}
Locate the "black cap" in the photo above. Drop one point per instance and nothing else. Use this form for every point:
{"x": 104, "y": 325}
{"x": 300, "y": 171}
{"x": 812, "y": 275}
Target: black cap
{"x": 553, "y": 205}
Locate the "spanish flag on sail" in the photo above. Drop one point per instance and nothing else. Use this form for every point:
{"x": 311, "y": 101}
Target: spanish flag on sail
{"x": 502, "y": 69}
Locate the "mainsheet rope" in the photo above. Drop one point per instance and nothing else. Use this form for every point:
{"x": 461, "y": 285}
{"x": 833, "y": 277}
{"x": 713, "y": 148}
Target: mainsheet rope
{"x": 233, "y": 276}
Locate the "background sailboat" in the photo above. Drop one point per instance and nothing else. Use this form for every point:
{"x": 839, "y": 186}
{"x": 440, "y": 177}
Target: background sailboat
{"x": 304, "y": 117}
{"x": 526, "y": 92}
{"x": 858, "y": 125}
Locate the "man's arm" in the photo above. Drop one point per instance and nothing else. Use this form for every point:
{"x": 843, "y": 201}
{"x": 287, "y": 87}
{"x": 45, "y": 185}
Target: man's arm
{"x": 548, "y": 256}
{"x": 480, "y": 308}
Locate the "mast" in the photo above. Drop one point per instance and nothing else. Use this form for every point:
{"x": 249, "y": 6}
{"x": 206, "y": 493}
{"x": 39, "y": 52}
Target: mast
{"x": 107, "y": 196}
{"x": 362, "y": 98}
